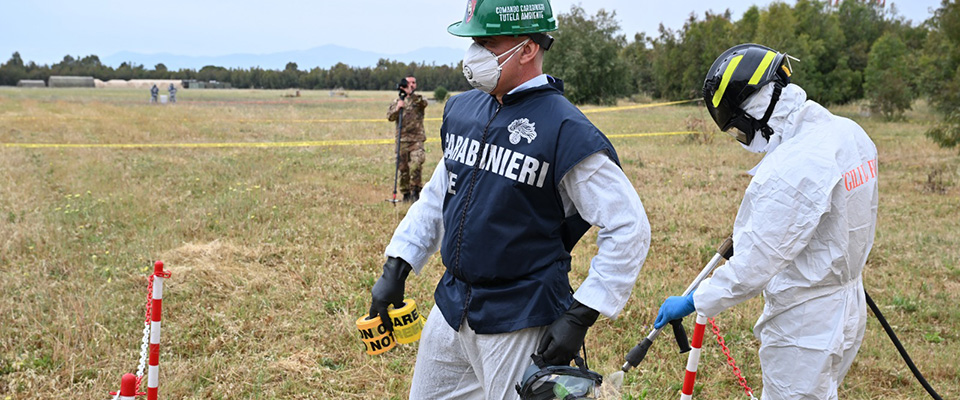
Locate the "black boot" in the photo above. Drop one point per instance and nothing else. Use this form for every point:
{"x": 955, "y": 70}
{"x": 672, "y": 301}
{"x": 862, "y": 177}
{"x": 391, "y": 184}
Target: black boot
{"x": 415, "y": 193}
{"x": 407, "y": 198}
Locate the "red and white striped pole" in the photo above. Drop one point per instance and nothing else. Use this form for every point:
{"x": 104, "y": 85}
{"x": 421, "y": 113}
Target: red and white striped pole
{"x": 153, "y": 370}
{"x": 686, "y": 393}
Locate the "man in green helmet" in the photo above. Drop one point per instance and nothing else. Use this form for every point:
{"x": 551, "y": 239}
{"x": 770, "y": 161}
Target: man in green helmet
{"x": 524, "y": 175}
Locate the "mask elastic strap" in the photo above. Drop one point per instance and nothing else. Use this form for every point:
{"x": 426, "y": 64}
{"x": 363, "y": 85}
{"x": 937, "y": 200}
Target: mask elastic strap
{"x": 514, "y": 50}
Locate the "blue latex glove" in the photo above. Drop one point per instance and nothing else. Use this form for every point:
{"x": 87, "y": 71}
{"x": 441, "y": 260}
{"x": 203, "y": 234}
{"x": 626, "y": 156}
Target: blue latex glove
{"x": 674, "y": 307}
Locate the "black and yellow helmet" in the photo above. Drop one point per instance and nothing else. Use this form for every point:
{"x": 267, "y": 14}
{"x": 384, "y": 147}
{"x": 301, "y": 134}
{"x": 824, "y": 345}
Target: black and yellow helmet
{"x": 737, "y": 74}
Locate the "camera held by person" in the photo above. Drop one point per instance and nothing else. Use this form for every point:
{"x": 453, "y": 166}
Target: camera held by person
{"x": 402, "y": 88}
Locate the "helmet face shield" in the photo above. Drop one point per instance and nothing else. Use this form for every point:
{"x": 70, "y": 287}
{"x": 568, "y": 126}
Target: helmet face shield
{"x": 742, "y": 127}
{"x": 736, "y": 133}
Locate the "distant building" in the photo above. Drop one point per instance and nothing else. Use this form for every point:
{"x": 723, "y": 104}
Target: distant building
{"x": 137, "y": 83}
{"x": 194, "y": 84}
{"x": 30, "y": 83}
{"x": 71, "y": 82}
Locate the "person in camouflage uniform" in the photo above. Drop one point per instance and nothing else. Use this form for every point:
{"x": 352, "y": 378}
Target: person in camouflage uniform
{"x": 412, "y": 137}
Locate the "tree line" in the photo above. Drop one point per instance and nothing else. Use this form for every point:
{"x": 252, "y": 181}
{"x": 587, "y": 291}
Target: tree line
{"x": 848, "y": 50}
{"x": 382, "y": 76}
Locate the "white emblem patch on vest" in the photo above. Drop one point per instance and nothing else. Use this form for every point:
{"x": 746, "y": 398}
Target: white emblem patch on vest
{"x": 522, "y": 128}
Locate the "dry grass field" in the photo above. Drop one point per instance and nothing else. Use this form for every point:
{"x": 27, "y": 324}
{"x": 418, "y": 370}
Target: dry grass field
{"x": 273, "y": 250}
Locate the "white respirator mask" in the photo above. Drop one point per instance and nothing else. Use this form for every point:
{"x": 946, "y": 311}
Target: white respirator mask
{"x": 482, "y": 67}
{"x": 757, "y": 145}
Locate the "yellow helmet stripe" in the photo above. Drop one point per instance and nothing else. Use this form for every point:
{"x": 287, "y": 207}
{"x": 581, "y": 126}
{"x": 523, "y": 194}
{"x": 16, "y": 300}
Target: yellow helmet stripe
{"x": 726, "y": 80}
{"x": 764, "y": 64}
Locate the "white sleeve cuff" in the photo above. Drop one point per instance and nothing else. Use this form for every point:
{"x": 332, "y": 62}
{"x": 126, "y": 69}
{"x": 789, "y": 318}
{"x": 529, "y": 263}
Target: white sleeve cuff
{"x": 605, "y": 198}
{"x": 419, "y": 234}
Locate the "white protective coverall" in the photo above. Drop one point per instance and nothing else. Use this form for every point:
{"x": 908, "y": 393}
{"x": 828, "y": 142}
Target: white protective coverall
{"x": 802, "y": 236}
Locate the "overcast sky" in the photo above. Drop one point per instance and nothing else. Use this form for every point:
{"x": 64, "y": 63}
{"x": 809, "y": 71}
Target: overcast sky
{"x": 44, "y": 31}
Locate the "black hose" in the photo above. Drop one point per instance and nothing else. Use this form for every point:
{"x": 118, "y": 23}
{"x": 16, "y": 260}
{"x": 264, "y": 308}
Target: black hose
{"x": 903, "y": 352}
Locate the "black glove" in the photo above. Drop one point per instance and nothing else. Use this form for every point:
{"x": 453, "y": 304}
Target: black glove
{"x": 564, "y": 337}
{"x": 389, "y": 289}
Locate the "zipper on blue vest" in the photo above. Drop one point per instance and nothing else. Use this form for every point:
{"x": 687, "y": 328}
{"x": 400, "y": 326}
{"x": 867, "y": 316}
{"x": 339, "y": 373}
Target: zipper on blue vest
{"x": 466, "y": 206}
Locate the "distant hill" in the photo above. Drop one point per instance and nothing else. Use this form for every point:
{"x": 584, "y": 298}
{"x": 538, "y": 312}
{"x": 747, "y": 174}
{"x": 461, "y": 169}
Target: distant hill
{"x": 323, "y": 57}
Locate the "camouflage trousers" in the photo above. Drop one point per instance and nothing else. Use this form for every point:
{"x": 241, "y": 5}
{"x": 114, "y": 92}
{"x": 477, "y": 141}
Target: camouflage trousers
{"x": 412, "y": 157}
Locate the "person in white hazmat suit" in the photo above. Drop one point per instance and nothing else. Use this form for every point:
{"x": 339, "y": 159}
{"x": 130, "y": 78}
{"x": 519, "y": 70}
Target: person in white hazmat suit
{"x": 804, "y": 228}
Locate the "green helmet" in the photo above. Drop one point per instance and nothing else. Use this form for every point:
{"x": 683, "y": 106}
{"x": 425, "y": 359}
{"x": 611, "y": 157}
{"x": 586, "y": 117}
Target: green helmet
{"x": 505, "y": 17}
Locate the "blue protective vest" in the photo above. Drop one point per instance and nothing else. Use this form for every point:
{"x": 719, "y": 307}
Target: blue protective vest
{"x": 506, "y": 244}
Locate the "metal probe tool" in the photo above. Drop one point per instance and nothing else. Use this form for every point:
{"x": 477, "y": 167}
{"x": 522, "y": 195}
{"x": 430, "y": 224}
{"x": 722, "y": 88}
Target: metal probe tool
{"x": 638, "y": 352}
